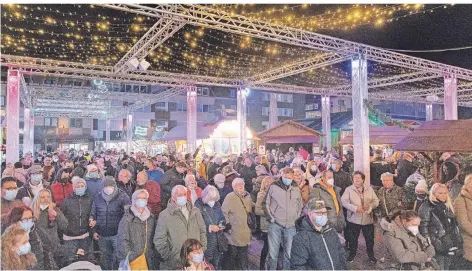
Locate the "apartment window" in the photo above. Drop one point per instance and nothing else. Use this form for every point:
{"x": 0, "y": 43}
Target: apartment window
{"x": 265, "y": 125}
{"x": 285, "y": 98}
{"x": 285, "y": 112}
{"x": 311, "y": 114}
{"x": 141, "y": 122}
{"x": 265, "y": 111}
{"x": 203, "y": 91}
{"x": 101, "y": 125}
{"x": 76, "y": 123}
{"x": 181, "y": 106}
{"x": 232, "y": 93}
{"x": 203, "y": 107}
{"x": 309, "y": 107}
{"x": 3, "y": 101}
{"x": 50, "y": 122}
{"x": 341, "y": 102}
{"x": 233, "y": 106}
{"x": 144, "y": 109}
{"x": 315, "y": 107}
{"x": 266, "y": 96}
{"x": 161, "y": 123}
{"x": 160, "y": 106}
{"x": 116, "y": 125}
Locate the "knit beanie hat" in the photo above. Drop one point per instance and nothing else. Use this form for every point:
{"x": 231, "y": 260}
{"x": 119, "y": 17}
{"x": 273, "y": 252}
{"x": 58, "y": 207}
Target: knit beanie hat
{"x": 422, "y": 185}
{"x": 91, "y": 166}
{"x": 109, "y": 181}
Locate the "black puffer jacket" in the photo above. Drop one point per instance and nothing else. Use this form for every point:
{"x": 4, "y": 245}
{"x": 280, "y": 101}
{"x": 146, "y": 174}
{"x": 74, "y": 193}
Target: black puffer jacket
{"x": 211, "y": 216}
{"x": 342, "y": 180}
{"x": 316, "y": 250}
{"x": 440, "y": 225}
{"x": 170, "y": 179}
{"x": 77, "y": 210}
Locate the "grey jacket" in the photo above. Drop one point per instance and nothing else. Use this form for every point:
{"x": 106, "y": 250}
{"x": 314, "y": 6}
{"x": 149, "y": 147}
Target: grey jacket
{"x": 351, "y": 199}
{"x": 336, "y": 220}
{"x": 282, "y": 204}
{"x": 235, "y": 214}
{"x": 173, "y": 229}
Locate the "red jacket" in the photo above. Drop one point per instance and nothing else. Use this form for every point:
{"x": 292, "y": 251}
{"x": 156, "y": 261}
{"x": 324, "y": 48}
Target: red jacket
{"x": 304, "y": 154}
{"x": 154, "y": 201}
{"x": 198, "y": 190}
{"x": 61, "y": 192}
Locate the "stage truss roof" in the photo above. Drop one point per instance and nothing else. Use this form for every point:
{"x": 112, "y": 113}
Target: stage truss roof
{"x": 306, "y": 62}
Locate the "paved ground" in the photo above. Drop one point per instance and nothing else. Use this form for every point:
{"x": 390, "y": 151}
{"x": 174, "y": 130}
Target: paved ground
{"x": 360, "y": 262}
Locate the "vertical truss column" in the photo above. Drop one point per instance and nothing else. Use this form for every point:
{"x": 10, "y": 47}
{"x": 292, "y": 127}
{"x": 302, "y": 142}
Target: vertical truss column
{"x": 326, "y": 121}
{"x": 191, "y": 119}
{"x": 450, "y": 97}
{"x": 360, "y": 116}
{"x": 107, "y": 133}
{"x": 28, "y": 131}
{"x": 241, "y": 116}
{"x": 13, "y": 116}
{"x": 429, "y": 111}
{"x": 129, "y": 133}
{"x": 273, "y": 110}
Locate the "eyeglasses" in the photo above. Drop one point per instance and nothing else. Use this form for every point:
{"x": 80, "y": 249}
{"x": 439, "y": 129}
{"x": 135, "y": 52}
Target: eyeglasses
{"x": 29, "y": 219}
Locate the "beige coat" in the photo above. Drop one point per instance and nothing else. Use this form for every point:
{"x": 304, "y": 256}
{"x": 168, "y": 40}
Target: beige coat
{"x": 463, "y": 211}
{"x": 351, "y": 199}
{"x": 239, "y": 235}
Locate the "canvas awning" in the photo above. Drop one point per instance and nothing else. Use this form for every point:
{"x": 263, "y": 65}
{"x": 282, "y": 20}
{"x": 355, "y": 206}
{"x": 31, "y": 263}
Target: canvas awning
{"x": 179, "y": 132}
{"x": 293, "y": 139}
{"x": 381, "y": 135}
{"x": 440, "y": 136}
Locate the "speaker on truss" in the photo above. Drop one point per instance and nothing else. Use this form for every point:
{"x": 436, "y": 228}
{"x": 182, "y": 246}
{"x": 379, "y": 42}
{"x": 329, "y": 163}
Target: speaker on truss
{"x": 133, "y": 63}
{"x": 144, "y": 65}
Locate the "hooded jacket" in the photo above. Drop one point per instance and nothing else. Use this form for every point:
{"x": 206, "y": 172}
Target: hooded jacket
{"x": 173, "y": 229}
{"x": 61, "y": 191}
{"x": 316, "y": 250}
{"x": 77, "y": 210}
{"x": 94, "y": 186}
{"x": 132, "y": 238}
{"x": 108, "y": 215}
{"x": 337, "y": 221}
{"x": 463, "y": 207}
{"x": 283, "y": 204}
{"x": 403, "y": 245}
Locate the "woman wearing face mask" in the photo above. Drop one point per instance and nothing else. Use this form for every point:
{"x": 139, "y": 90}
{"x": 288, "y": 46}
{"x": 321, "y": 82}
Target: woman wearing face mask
{"x": 261, "y": 175}
{"x": 404, "y": 242}
{"x": 192, "y": 257}
{"x": 63, "y": 186}
{"x": 439, "y": 224}
{"x": 219, "y": 181}
{"x": 22, "y": 217}
{"x": 215, "y": 223}
{"x": 316, "y": 245}
{"x": 302, "y": 182}
{"x": 76, "y": 209}
{"x": 136, "y": 234}
{"x": 16, "y": 250}
{"x": 264, "y": 223}
{"x": 313, "y": 173}
{"x": 93, "y": 179}
{"x": 32, "y": 186}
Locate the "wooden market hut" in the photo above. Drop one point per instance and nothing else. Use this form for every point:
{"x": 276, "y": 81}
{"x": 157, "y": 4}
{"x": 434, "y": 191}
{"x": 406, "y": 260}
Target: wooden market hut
{"x": 381, "y": 135}
{"x": 289, "y": 133}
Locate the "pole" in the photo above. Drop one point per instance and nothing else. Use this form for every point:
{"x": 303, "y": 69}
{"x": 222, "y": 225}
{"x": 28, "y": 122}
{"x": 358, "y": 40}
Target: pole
{"x": 13, "y": 116}
{"x": 241, "y": 116}
{"x": 450, "y": 97}
{"x": 326, "y": 121}
{"x": 129, "y": 133}
{"x": 273, "y": 110}
{"x": 191, "y": 119}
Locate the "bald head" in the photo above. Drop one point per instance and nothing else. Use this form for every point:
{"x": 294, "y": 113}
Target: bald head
{"x": 142, "y": 178}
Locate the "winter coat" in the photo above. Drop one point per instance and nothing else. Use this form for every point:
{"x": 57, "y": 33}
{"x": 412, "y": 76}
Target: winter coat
{"x": 440, "y": 225}
{"x": 108, "y": 215}
{"x": 7, "y": 205}
{"x": 128, "y": 188}
{"x": 198, "y": 192}
{"x": 229, "y": 180}
{"x": 391, "y": 200}
{"x": 132, "y": 237}
{"x": 61, "y": 191}
{"x": 377, "y": 168}
{"x": 336, "y": 220}
{"x": 342, "y": 180}
{"x": 352, "y": 198}
{"x": 282, "y": 204}
{"x": 211, "y": 216}
{"x": 170, "y": 179}
{"x": 26, "y": 192}
{"x": 305, "y": 191}
{"x": 403, "y": 245}
{"x": 202, "y": 170}
{"x": 212, "y": 170}
{"x": 79, "y": 171}
{"x": 463, "y": 208}
{"x": 223, "y": 193}
{"x": 94, "y": 186}
{"x": 236, "y": 215}
{"x": 37, "y": 247}
{"x": 405, "y": 169}
{"x": 257, "y": 187}
{"x": 173, "y": 229}
{"x": 77, "y": 210}
{"x": 51, "y": 228}
{"x": 316, "y": 250}
{"x": 155, "y": 175}
{"x": 248, "y": 173}
{"x": 154, "y": 200}
{"x": 258, "y": 210}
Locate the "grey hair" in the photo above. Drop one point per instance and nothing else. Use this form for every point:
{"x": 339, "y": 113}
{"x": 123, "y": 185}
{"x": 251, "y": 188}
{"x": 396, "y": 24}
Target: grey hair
{"x": 218, "y": 160}
{"x": 262, "y": 169}
{"x": 210, "y": 193}
{"x": 219, "y": 178}
{"x": 236, "y": 182}
{"x": 137, "y": 192}
{"x": 174, "y": 189}
{"x": 187, "y": 180}
{"x": 125, "y": 170}
{"x": 386, "y": 174}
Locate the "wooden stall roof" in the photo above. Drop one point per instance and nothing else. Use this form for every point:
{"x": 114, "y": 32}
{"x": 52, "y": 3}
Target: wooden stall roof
{"x": 439, "y": 135}
{"x": 381, "y": 135}
{"x": 290, "y": 132}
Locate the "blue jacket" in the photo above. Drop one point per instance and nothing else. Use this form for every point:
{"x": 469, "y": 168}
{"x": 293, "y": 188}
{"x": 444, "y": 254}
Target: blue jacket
{"x": 155, "y": 175}
{"x": 108, "y": 215}
{"x": 211, "y": 216}
{"x": 94, "y": 186}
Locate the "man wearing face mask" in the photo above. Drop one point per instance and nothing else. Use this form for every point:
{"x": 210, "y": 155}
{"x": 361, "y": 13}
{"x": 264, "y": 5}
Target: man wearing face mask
{"x": 154, "y": 190}
{"x": 391, "y": 196}
{"x": 342, "y": 179}
{"x": 282, "y": 205}
{"x": 404, "y": 242}
{"x": 178, "y": 222}
{"x": 224, "y": 190}
{"x": 33, "y": 185}
{"x": 316, "y": 245}
{"x": 93, "y": 179}
{"x": 107, "y": 211}
{"x": 63, "y": 186}
{"x": 313, "y": 173}
{"x": 331, "y": 196}
{"x": 9, "y": 192}
{"x": 172, "y": 177}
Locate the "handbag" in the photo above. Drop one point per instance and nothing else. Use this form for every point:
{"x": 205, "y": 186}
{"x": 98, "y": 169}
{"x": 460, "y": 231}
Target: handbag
{"x": 221, "y": 240}
{"x": 251, "y": 217}
{"x": 140, "y": 263}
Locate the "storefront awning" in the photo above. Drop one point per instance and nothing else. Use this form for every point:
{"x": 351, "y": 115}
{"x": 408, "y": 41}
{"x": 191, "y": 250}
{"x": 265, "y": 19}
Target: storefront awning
{"x": 293, "y": 139}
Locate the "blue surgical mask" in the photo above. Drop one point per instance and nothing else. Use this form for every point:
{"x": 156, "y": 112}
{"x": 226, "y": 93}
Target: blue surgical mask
{"x": 197, "y": 258}
{"x": 24, "y": 249}
{"x": 320, "y": 220}
{"x": 27, "y": 224}
{"x": 181, "y": 201}
{"x": 10, "y": 194}
{"x": 108, "y": 190}
{"x": 141, "y": 203}
{"x": 333, "y": 166}
{"x": 287, "y": 181}
{"x": 211, "y": 203}
{"x": 93, "y": 175}
{"x": 80, "y": 191}
{"x": 35, "y": 179}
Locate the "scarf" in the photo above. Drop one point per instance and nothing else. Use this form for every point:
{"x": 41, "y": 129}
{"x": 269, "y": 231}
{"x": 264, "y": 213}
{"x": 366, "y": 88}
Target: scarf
{"x": 36, "y": 189}
{"x": 332, "y": 192}
{"x": 142, "y": 216}
{"x": 108, "y": 198}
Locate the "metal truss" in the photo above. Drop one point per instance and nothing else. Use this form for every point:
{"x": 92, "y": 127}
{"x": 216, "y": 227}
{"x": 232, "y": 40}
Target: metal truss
{"x": 334, "y": 91}
{"x": 220, "y": 20}
{"x": 314, "y": 62}
{"x": 415, "y": 92}
{"x": 24, "y": 93}
{"x": 402, "y": 79}
{"x": 158, "y": 34}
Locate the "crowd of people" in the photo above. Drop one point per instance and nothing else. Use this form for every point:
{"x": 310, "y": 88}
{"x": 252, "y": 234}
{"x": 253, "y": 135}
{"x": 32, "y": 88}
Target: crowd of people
{"x": 200, "y": 212}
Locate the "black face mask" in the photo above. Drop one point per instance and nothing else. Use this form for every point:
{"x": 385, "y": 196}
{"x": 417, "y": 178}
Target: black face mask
{"x": 124, "y": 165}
{"x": 64, "y": 180}
{"x": 146, "y": 168}
{"x": 421, "y": 196}
{"x": 26, "y": 166}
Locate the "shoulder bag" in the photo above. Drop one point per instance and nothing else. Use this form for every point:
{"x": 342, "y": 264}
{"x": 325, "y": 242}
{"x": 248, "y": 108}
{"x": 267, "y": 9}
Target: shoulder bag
{"x": 251, "y": 217}
{"x": 140, "y": 263}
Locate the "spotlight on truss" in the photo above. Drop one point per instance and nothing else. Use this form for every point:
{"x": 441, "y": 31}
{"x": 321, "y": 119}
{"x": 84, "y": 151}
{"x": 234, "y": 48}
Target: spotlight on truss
{"x": 144, "y": 65}
{"x": 133, "y": 63}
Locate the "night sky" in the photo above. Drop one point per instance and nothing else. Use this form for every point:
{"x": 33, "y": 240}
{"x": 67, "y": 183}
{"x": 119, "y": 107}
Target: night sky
{"x": 443, "y": 28}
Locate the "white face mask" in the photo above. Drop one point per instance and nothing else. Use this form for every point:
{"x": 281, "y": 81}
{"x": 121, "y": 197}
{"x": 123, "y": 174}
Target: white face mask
{"x": 413, "y": 229}
{"x": 220, "y": 185}
{"x": 43, "y": 206}
{"x": 211, "y": 203}
{"x": 330, "y": 182}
